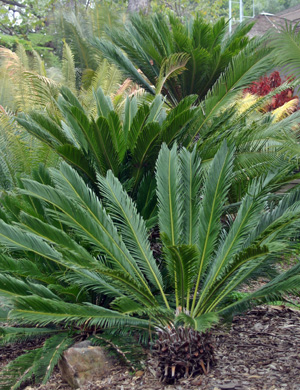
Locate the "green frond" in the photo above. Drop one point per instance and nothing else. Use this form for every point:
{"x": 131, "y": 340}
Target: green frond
{"x": 3, "y": 313}
{"x": 131, "y": 227}
{"x": 77, "y": 159}
{"x": 113, "y": 283}
{"x": 78, "y": 33}
{"x": 91, "y": 223}
{"x": 152, "y": 43}
{"x": 104, "y": 103}
{"x": 171, "y": 67}
{"x": 287, "y": 46}
{"x": 271, "y": 223}
{"x": 157, "y": 112}
{"x": 19, "y": 370}
{"x": 36, "y": 310}
{"x": 17, "y": 239}
{"x": 23, "y": 58}
{"x": 51, "y": 353}
{"x": 10, "y": 335}
{"x": 178, "y": 120}
{"x": 181, "y": 262}
{"x": 214, "y": 196}
{"x": 245, "y": 221}
{"x": 285, "y": 283}
{"x": 246, "y": 67}
{"x": 36, "y": 365}
{"x": 56, "y": 236}
{"x": 201, "y": 323}
{"x": 236, "y": 273}
{"x": 168, "y": 180}
{"x": 117, "y": 57}
{"x": 38, "y": 64}
{"x": 11, "y": 287}
{"x": 117, "y": 135}
{"x": 146, "y": 201}
{"x": 189, "y": 193}
{"x": 145, "y": 151}
{"x": 22, "y": 267}
{"x": 107, "y": 77}
{"x": 134, "y": 120}
{"x": 68, "y": 67}
{"x": 126, "y": 306}
{"x": 67, "y": 96}
{"x": 105, "y": 150}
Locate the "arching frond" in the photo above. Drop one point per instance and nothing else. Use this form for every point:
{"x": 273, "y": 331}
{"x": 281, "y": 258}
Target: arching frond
{"x": 171, "y": 67}
{"x": 37, "y": 364}
{"x": 68, "y": 67}
{"x": 131, "y": 227}
{"x": 214, "y": 196}
{"x": 168, "y": 179}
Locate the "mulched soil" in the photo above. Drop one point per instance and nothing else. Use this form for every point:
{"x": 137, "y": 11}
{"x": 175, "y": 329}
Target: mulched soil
{"x": 261, "y": 351}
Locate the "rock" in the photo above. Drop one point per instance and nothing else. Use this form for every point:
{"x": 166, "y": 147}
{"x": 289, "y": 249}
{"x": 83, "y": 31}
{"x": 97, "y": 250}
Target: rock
{"x": 83, "y": 363}
{"x": 82, "y": 344}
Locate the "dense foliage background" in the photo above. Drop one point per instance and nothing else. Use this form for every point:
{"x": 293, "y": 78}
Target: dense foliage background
{"x": 142, "y": 162}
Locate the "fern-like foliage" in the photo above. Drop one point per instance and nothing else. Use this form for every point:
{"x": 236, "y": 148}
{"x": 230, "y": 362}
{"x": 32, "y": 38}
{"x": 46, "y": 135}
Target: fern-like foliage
{"x": 75, "y": 263}
{"x": 196, "y": 54}
{"x": 36, "y": 365}
{"x": 20, "y": 152}
{"x": 287, "y": 46}
{"x": 98, "y": 246}
{"x": 127, "y": 144}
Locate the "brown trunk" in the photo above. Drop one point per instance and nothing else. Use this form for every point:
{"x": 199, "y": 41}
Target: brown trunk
{"x": 139, "y": 5}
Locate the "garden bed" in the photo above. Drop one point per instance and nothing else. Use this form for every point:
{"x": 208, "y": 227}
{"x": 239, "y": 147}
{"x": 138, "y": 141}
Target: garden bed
{"x": 260, "y": 352}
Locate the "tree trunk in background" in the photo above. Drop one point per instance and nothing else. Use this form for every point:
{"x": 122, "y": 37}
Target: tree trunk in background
{"x": 139, "y": 5}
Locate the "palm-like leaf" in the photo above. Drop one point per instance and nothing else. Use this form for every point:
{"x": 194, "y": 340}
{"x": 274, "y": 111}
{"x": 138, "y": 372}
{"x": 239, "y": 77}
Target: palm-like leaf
{"x": 68, "y": 67}
{"x": 287, "y": 45}
{"x": 117, "y": 237}
{"x": 37, "y": 364}
{"x": 100, "y": 248}
{"x": 151, "y": 43}
{"x": 127, "y": 144}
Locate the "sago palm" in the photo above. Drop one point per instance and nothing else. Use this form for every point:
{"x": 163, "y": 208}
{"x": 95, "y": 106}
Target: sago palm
{"x": 125, "y": 142}
{"x": 182, "y": 58}
{"x": 104, "y": 274}
{"x": 261, "y": 141}
{"x": 26, "y": 85}
{"x": 287, "y": 46}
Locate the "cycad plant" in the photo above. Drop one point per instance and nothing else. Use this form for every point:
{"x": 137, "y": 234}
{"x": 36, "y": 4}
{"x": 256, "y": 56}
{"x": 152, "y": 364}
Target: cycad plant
{"x": 27, "y": 84}
{"x": 103, "y": 272}
{"x": 126, "y": 143}
{"x": 287, "y": 46}
{"x": 182, "y": 58}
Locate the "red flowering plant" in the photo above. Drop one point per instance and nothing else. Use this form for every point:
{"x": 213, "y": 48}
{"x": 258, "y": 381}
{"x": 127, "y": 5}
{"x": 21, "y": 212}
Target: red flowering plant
{"x": 266, "y": 84}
